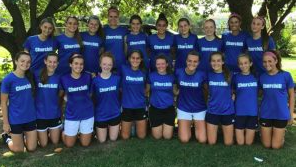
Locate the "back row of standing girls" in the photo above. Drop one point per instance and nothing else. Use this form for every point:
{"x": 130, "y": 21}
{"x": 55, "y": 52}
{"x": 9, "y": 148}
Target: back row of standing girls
{"x": 161, "y": 85}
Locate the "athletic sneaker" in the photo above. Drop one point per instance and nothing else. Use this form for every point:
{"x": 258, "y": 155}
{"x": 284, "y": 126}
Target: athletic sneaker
{"x": 6, "y": 138}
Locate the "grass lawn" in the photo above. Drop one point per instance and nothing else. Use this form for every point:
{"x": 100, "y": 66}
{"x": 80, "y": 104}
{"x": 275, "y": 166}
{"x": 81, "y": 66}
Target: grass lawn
{"x": 152, "y": 153}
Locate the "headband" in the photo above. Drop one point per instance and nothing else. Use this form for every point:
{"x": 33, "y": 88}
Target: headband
{"x": 261, "y": 18}
{"x": 271, "y": 54}
{"x": 235, "y": 15}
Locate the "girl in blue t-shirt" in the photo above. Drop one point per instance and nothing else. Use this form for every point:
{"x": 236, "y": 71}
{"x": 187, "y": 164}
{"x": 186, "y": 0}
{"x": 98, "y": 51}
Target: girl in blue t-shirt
{"x": 161, "y": 43}
{"x": 79, "y": 110}
{"x": 184, "y": 43}
{"x": 160, "y": 87}
{"x": 114, "y": 41}
{"x": 107, "y": 105}
{"x": 277, "y": 106}
{"x": 92, "y": 44}
{"x": 68, "y": 43}
{"x": 136, "y": 39}
{"x": 47, "y": 101}
{"x": 245, "y": 90}
{"x": 191, "y": 104}
{"x": 259, "y": 42}
{"x": 39, "y": 45}
{"x": 220, "y": 103}
{"x": 234, "y": 42}
{"x": 208, "y": 44}
{"x": 133, "y": 81}
{"x": 19, "y": 117}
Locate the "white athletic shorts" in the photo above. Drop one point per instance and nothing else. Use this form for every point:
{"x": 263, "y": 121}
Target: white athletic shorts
{"x": 183, "y": 115}
{"x": 72, "y": 128}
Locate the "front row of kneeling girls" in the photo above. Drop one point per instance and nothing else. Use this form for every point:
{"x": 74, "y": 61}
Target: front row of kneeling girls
{"x": 232, "y": 101}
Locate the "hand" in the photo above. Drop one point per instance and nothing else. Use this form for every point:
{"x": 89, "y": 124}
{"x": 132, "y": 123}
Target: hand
{"x": 6, "y": 128}
{"x": 290, "y": 122}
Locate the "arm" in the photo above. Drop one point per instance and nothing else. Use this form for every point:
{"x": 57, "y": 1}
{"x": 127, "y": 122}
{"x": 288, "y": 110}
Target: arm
{"x": 175, "y": 90}
{"x": 206, "y": 92}
{"x": 147, "y": 90}
{"x": 125, "y": 46}
{"x": 4, "y": 100}
{"x": 291, "y": 103}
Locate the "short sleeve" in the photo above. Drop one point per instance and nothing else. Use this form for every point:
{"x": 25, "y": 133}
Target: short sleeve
{"x": 27, "y": 44}
{"x": 289, "y": 80}
{"x": 5, "y": 86}
{"x": 271, "y": 44}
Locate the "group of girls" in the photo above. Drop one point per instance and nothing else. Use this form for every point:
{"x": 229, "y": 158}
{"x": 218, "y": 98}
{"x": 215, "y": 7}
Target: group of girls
{"x": 111, "y": 91}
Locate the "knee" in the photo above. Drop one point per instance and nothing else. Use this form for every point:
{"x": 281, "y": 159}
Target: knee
{"x": 202, "y": 140}
{"x": 141, "y": 136}
{"x": 31, "y": 148}
{"x": 228, "y": 143}
{"x": 69, "y": 145}
{"x": 249, "y": 143}
{"x": 17, "y": 150}
{"x": 266, "y": 145}
{"x": 157, "y": 137}
{"x": 43, "y": 145}
{"x": 85, "y": 144}
{"x": 113, "y": 138}
{"x": 240, "y": 143}
{"x": 101, "y": 140}
{"x": 277, "y": 146}
{"x": 184, "y": 139}
{"x": 125, "y": 136}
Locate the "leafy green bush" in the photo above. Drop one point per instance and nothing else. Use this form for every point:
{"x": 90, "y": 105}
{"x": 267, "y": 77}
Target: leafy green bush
{"x": 286, "y": 44}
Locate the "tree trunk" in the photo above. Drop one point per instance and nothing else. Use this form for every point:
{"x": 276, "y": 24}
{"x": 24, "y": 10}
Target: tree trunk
{"x": 244, "y": 9}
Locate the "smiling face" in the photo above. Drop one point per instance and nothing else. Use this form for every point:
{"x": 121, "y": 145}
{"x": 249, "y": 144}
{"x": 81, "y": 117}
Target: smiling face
{"x": 135, "y": 26}
{"x": 269, "y": 63}
{"x": 257, "y": 25}
{"x": 93, "y": 26}
{"x": 77, "y": 65}
{"x": 113, "y": 18}
{"x": 209, "y": 28}
{"x": 135, "y": 60}
{"x": 161, "y": 66}
{"x": 192, "y": 62}
{"x": 71, "y": 25}
{"x": 106, "y": 64}
{"x": 23, "y": 62}
{"x": 51, "y": 63}
{"x": 217, "y": 62}
{"x": 244, "y": 64}
{"x": 46, "y": 29}
{"x": 184, "y": 28}
{"x": 234, "y": 24}
{"x": 161, "y": 27}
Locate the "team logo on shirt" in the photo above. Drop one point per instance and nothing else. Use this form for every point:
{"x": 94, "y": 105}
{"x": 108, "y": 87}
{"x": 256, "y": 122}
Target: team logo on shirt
{"x": 253, "y": 49}
{"x": 210, "y": 49}
{"x": 114, "y": 37}
{"x": 23, "y": 87}
{"x": 47, "y": 49}
{"x": 244, "y": 85}
{"x": 272, "y": 86}
{"x": 111, "y": 88}
{"x": 95, "y": 44}
{"x": 228, "y": 43}
{"x": 53, "y": 86}
{"x": 189, "y": 84}
{"x": 77, "y": 89}
{"x": 128, "y": 78}
{"x": 161, "y": 47}
{"x": 163, "y": 84}
{"x": 71, "y": 46}
{"x": 185, "y": 46}
{"x": 213, "y": 83}
{"x": 137, "y": 43}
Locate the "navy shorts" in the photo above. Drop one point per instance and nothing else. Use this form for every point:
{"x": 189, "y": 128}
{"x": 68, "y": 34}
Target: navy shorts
{"x": 246, "y": 122}
{"x": 45, "y": 124}
{"x": 159, "y": 116}
{"x": 219, "y": 119}
{"x": 129, "y": 115}
{"x": 21, "y": 128}
{"x": 273, "y": 123}
{"x": 112, "y": 122}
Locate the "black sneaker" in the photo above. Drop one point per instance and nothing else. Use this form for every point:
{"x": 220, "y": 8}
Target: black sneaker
{"x": 5, "y": 138}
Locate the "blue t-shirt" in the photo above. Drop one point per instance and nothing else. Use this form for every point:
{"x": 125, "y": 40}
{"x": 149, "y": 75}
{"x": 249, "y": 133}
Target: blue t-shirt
{"x": 91, "y": 49}
{"x": 191, "y": 98}
{"x": 246, "y": 94}
{"x": 38, "y": 50}
{"x": 107, "y": 97}
{"x": 66, "y": 46}
{"x": 133, "y": 88}
{"x": 183, "y": 47}
{"x": 275, "y": 88}
{"x": 160, "y": 46}
{"x": 205, "y": 48}
{"x": 79, "y": 105}
{"x": 47, "y": 97}
{"x": 256, "y": 51}
{"x": 161, "y": 88}
{"x": 114, "y": 43}
{"x": 21, "y": 108}
{"x": 233, "y": 46}
{"x": 138, "y": 42}
{"x": 220, "y": 101}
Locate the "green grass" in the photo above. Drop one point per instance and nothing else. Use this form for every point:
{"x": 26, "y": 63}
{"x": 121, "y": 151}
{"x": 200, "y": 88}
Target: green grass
{"x": 152, "y": 153}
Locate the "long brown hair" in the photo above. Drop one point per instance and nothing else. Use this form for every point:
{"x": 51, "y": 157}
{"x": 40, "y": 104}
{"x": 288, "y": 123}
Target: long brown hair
{"x": 43, "y": 73}
{"x": 213, "y": 21}
{"x": 225, "y": 70}
{"x": 264, "y": 34}
{"x": 76, "y": 34}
